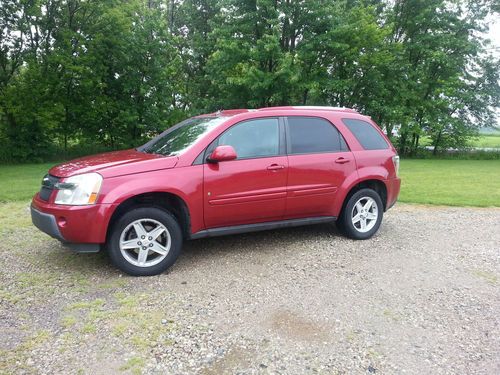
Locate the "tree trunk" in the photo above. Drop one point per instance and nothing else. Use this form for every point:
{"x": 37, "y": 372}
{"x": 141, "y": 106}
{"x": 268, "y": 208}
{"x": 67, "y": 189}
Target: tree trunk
{"x": 402, "y": 142}
{"x": 388, "y": 130}
{"x": 170, "y": 12}
{"x": 436, "y": 143}
{"x": 413, "y": 145}
{"x": 304, "y": 96}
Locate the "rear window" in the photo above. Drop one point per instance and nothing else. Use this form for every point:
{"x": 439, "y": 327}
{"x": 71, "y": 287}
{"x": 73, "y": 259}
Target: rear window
{"x": 366, "y": 134}
{"x": 313, "y": 135}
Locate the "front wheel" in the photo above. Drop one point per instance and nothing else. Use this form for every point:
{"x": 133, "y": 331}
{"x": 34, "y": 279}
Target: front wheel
{"x": 361, "y": 217}
{"x": 145, "y": 241}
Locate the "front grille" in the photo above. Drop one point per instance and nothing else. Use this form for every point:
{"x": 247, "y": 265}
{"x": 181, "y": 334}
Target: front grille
{"x": 48, "y": 184}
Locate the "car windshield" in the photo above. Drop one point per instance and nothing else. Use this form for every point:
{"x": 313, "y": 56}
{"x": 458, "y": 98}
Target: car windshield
{"x": 181, "y": 136}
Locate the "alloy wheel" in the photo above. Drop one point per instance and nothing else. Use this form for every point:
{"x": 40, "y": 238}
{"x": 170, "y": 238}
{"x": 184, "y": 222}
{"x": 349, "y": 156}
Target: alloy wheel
{"x": 364, "y": 214}
{"x": 145, "y": 242}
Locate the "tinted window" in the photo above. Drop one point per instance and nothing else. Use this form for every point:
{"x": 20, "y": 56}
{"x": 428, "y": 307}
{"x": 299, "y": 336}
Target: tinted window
{"x": 366, "y": 134}
{"x": 255, "y": 138}
{"x": 312, "y": 135}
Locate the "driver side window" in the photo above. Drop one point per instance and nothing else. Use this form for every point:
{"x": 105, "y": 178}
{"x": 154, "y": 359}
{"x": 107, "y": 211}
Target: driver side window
{"x": 253, "y": 138}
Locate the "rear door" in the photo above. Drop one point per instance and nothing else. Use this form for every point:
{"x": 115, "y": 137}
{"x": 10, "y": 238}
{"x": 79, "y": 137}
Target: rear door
{"x": 251, "y": 188}
{"x": 318, "y": 163}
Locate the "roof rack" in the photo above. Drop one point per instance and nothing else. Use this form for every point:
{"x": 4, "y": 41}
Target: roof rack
{"x": 229, "y": 112}
{"x": 233, "y": 112}
{"x": 308, "y": 107}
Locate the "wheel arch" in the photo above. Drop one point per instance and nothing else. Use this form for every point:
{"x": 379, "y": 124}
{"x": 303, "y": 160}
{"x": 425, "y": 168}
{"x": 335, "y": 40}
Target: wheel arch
{"x": 165, "y": 200}
{"x": 375, "y": 184}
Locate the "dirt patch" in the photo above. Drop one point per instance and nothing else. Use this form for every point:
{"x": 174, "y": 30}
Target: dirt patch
{"x": 297, "y": 327}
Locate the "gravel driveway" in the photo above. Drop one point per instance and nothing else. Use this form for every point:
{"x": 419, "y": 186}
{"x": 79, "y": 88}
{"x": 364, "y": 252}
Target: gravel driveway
{"x": 422, "y": 297}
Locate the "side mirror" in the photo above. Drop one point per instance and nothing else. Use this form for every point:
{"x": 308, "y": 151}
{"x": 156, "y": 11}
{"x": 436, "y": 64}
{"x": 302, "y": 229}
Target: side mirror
{"x": 222, "y": 153}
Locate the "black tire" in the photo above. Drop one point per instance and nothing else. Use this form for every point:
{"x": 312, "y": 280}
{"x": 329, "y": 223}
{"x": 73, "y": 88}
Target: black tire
{"x": 345, "y": 223}
{"x": 154, "y": 214}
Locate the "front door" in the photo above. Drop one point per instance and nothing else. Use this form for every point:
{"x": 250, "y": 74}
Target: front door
{"x": 251, "y": 188}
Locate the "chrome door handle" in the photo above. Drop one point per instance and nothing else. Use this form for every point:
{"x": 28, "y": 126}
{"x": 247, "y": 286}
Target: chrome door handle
{"x": 275, "y": 167}
{"x": 342, "y": 160}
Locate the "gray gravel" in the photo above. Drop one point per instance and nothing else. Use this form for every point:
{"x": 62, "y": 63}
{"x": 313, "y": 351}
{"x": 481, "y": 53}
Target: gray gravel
{"x": 422, "y": 297}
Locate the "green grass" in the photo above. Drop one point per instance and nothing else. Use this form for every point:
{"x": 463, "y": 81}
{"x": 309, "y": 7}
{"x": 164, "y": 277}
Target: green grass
{"x": 484, "y": 140}
{"x": 451, "y": 182}
{"x": 487, "y": 140}
{"x": 428, "y": 181}
{"x": 21, "y": 182}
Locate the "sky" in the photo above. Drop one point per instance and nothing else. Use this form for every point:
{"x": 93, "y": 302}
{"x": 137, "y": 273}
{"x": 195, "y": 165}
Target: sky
{"x": 494, "y": 34}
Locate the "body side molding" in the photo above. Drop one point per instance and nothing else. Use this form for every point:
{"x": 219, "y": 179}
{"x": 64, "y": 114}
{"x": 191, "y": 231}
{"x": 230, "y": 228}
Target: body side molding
{"x": 246, "y": 228}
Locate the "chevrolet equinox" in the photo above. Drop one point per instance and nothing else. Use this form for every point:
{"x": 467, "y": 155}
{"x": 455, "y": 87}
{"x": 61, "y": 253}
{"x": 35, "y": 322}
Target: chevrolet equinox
{"x": 229, "y": 172}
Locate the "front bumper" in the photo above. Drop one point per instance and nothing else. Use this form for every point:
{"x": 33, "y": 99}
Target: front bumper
{"x": 47, "y": 224}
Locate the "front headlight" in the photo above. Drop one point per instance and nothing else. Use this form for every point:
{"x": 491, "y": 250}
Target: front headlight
{"x": 79, "y": 190}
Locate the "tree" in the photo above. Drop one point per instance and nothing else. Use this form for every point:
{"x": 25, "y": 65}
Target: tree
{"x": 441, "y": 56}
{"x": 77, "y": 73}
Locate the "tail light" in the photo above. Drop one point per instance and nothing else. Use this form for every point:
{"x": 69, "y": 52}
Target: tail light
{"x": 395, "y": 160}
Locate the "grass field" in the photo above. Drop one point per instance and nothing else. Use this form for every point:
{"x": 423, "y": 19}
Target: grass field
{"x": 487, "y": 140}
{"x": 20, "y": 182}
{"x": 484, "y": 140}
{"x": 446, "y": 182}
{"x": 451, "y": 182}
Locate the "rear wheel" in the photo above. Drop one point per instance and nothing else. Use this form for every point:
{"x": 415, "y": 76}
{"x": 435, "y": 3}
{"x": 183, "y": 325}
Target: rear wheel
{"x": 362, "y": 215}
{"x": 145, "y": 241}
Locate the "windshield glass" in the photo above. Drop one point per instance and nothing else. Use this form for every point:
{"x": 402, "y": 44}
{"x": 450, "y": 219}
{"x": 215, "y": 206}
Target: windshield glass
{"x": 181, "y": 136}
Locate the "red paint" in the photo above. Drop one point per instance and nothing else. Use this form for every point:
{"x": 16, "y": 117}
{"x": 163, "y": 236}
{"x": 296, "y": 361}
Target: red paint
{"x": 78, "y": 224}
{"x": 113, "y": 163}
{"x": 223, "y": 153}
{"x": 244, "y": 191}
{"x": 314, "y": 182}
{"x": 230, "y": 192}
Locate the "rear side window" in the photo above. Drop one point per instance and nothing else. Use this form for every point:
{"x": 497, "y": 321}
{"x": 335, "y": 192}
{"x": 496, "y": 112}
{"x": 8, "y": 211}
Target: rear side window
{"x": 313, "y": 135}
{"x": 366, "y": 134}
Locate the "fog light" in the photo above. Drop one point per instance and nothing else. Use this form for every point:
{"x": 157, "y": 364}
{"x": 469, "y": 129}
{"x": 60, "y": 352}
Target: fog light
{"x": 61, "y": 221}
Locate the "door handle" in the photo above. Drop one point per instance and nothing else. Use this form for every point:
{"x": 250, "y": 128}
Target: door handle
{"x": 342, "y": 160}
{"x": 275, "y": 167}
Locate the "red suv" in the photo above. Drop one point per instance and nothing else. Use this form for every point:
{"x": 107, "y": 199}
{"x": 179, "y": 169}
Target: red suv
{"x": 228, "y": 172}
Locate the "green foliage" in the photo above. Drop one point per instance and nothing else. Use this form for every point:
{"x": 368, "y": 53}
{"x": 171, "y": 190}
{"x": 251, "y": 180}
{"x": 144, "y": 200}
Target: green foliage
{"x": 87, "y": 72}
{"x": 112, "y": 73}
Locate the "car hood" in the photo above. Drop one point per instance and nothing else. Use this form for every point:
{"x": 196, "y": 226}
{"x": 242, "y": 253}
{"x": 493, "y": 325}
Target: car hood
{"x": 112, "y": 164}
